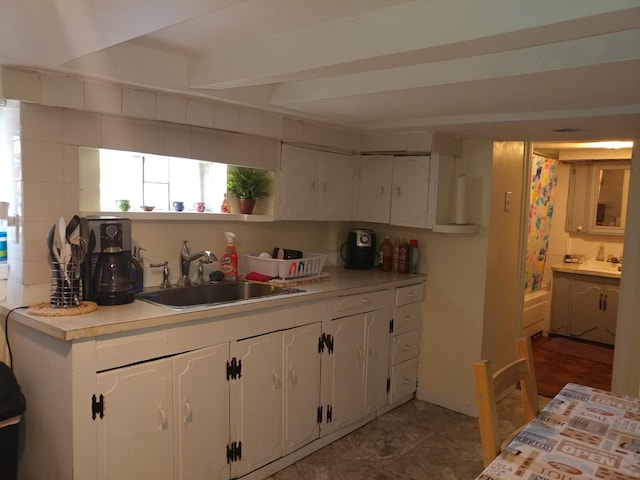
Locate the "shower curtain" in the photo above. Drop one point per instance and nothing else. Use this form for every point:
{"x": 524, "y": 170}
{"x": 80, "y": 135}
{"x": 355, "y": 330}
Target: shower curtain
{"x": 542, "y": 196}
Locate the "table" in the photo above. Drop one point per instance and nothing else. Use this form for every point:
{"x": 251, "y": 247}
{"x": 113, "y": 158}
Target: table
{"x": 581, "y": 433}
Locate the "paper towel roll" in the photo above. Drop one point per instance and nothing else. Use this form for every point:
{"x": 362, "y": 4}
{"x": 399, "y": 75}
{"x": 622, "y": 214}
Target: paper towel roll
{"x": 461, "y": 200}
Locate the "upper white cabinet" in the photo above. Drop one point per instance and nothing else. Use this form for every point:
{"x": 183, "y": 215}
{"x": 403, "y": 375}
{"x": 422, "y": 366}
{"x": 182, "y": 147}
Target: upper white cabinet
{"x": 374, "y": 188}
{"x": 598, "y": 197}
{"x": 394, "y": 189}
{"x": 408, "y": 190}
{"x": 315, "y": 185}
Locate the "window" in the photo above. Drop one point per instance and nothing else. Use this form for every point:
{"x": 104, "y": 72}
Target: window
{"x": 151, "y": 180}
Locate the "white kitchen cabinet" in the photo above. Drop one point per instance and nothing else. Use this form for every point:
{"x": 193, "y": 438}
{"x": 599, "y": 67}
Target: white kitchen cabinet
{"x": 410, "y": 191}
{"x": 405, "y": 342}
{"x": 394, "y": 190}
{"x": 256, "y": 402}
{"x": 215, "y": 394}
{"x": 201, "y": 406}
{"x": 301, "y": 386}
{"x": 315, "y": 185}
{"x": 589, "y": 305}
{"x": 139, "y": 423}
{"x": 355, "y": 370}
{"x": 155, "y": 408}
{"x": 374, "y": 188}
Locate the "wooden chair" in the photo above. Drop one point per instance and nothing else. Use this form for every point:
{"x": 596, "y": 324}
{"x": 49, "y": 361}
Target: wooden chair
{"x": 490, "y": 387}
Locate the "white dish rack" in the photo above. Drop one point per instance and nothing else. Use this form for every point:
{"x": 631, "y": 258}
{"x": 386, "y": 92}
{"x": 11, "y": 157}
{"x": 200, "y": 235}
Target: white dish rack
{"x": 310, "y": 264}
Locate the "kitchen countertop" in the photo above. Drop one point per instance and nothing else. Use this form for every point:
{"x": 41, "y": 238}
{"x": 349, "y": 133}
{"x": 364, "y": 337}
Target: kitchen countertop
{"x": 608, "y": 271}
{"x": 140, "y": 314}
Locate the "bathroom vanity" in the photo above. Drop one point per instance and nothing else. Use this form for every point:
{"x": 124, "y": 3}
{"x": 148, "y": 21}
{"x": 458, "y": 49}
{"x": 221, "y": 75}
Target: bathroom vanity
{"x": 584, "y": 302}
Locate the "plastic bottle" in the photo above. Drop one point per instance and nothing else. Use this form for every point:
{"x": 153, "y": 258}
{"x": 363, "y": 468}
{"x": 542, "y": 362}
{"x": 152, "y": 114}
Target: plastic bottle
{"x": 226, "y": 206}
{"x": 396, "y": 252}
{"x": 3, "y": 241}
{"x": 403, "y": 257}
{"x": 386, "y": 255}
{"x": 229, "y": 261}
{"x": 414, "y": 256}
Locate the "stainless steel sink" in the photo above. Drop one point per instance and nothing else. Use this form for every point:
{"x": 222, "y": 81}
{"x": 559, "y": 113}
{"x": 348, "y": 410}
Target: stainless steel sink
{"x": 212, "y": 294}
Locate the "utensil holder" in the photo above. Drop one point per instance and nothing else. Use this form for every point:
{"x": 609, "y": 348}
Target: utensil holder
{"x": 65, "y": 285}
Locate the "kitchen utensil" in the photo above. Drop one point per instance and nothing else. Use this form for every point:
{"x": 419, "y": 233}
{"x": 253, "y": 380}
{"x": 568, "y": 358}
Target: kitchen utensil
{"x": 73, "y": 229}
{"x": 359, "y": 251}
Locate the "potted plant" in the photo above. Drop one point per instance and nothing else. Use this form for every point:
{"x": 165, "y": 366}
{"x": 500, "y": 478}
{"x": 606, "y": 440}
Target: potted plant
{"x": 248, "y": 184}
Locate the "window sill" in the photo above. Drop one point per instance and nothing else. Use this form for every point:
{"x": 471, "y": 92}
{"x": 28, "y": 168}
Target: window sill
{"x": 185, "y": 216}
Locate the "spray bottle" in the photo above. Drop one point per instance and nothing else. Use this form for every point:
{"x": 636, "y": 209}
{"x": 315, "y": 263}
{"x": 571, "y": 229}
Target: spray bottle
{"x": 229, "y": 261}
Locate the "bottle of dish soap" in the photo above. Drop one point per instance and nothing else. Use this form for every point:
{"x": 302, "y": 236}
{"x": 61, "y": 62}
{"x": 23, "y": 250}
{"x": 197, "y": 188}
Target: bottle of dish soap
{"x": 229, "y": 261}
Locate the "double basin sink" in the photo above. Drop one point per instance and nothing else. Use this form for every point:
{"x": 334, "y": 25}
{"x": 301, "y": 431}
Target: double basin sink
{"x": 212, "y": 294}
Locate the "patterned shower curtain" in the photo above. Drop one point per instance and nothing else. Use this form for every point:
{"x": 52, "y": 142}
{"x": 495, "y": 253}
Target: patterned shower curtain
{"x": 542, "y": 196}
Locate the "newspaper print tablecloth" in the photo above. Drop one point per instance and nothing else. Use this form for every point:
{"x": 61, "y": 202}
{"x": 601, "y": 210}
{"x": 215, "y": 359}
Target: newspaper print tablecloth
{"x": 581, "y": 433}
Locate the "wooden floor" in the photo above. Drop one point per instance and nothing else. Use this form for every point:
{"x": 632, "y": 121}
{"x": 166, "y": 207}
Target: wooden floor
{"x": 587, "y": 364}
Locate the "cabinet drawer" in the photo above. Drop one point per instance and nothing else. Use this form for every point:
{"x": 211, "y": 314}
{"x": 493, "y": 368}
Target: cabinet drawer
{"x": 403, "y": 380}
{"x": 364, "y": 302}
{"x": 406, "y": 318}
{"x": 410, "y": 294}
{"x": 405, "y": 346}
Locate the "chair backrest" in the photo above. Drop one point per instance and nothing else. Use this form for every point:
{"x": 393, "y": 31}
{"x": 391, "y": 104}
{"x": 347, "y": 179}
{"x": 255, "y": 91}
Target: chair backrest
{"x": 490, "y": 386}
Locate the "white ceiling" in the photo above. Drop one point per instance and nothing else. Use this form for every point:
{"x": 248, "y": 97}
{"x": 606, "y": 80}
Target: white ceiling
{"x": 500, "y": 69}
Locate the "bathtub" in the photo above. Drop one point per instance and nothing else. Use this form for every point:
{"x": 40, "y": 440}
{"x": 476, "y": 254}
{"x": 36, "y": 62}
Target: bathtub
{"x": 536, "y": 312}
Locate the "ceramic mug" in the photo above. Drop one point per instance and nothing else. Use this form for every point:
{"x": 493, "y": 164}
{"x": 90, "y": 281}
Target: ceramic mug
{"x": 199, "y": 206}
{"x": 178, "y": 206}
{"x": 123, "y": 205}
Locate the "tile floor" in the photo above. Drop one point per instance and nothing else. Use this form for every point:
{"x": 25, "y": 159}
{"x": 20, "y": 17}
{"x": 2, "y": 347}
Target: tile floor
{"x": 417, "y": 440}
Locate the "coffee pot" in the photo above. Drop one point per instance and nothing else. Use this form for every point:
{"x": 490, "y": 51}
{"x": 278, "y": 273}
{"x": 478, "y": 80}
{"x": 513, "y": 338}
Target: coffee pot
{"x": 114, "y": 277}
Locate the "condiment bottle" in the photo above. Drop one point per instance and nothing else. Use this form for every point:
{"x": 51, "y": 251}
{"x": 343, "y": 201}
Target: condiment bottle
{"x": 403, "y": 257}
{"x": 226, "y": 206}
{"x": 386, "y": 255}
{"x": 414, "y": 256}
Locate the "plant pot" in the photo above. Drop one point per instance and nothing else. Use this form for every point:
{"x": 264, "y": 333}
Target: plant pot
{"x": 246, "y": 205}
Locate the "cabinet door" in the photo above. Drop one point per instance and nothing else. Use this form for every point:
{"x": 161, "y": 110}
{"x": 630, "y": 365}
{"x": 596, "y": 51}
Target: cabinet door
{"x": 377, "y": 358}
{"x": 135, "y": 437}
{"x": 335, "y": 187}
{"x": 410, "y": 191}
{"x": 299, "y": 173}
{"x": 609, "y": 314}
{"x": 585, "y": 310}
{"x": 302, "y": 386}
{"x": 201, "y": 405}
{"x": 560, "y": 305}
{"x": 347, "y": 371}
{"x": 577, "y": 201}
{"x": 256, "y": 402}
{"x": 374, "y": 188}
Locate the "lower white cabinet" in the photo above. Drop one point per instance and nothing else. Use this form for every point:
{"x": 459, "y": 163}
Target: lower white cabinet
{"x": 165, "y": 419}
{"x": 405, "y": 342}
{"x": 211, "y": 398}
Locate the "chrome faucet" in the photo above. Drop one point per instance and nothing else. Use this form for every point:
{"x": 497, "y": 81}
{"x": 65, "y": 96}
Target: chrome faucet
{"x": 186, "y": 257}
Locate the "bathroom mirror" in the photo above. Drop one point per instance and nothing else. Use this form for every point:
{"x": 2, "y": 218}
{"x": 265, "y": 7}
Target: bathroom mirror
{"x": 608, "y": 197}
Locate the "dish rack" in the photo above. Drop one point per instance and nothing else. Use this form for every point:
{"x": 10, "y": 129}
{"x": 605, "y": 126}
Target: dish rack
{"x": 310, "y": 264}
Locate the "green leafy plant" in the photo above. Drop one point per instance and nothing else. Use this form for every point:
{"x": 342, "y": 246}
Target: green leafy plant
{"x": 248, "y": 183}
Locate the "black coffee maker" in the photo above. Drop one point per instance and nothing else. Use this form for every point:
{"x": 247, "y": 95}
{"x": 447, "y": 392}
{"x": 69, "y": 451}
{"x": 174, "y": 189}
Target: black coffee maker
{"x": 109, "y": 271}
{"x": 359, "y": 251}
{"x": 114, "y": 276}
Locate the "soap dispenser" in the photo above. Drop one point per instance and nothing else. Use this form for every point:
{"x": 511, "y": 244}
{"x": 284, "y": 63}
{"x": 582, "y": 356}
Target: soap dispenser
{"x": 600, "y": 256}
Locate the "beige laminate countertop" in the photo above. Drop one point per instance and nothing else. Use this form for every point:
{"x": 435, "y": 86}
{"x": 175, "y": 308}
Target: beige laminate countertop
{"x": 585, "y": 269}
{"x": 140, "y": 314}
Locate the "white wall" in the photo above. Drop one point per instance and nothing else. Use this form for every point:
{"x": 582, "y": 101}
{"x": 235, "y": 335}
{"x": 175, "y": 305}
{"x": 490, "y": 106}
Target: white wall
{"x": 452, "y": 325}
